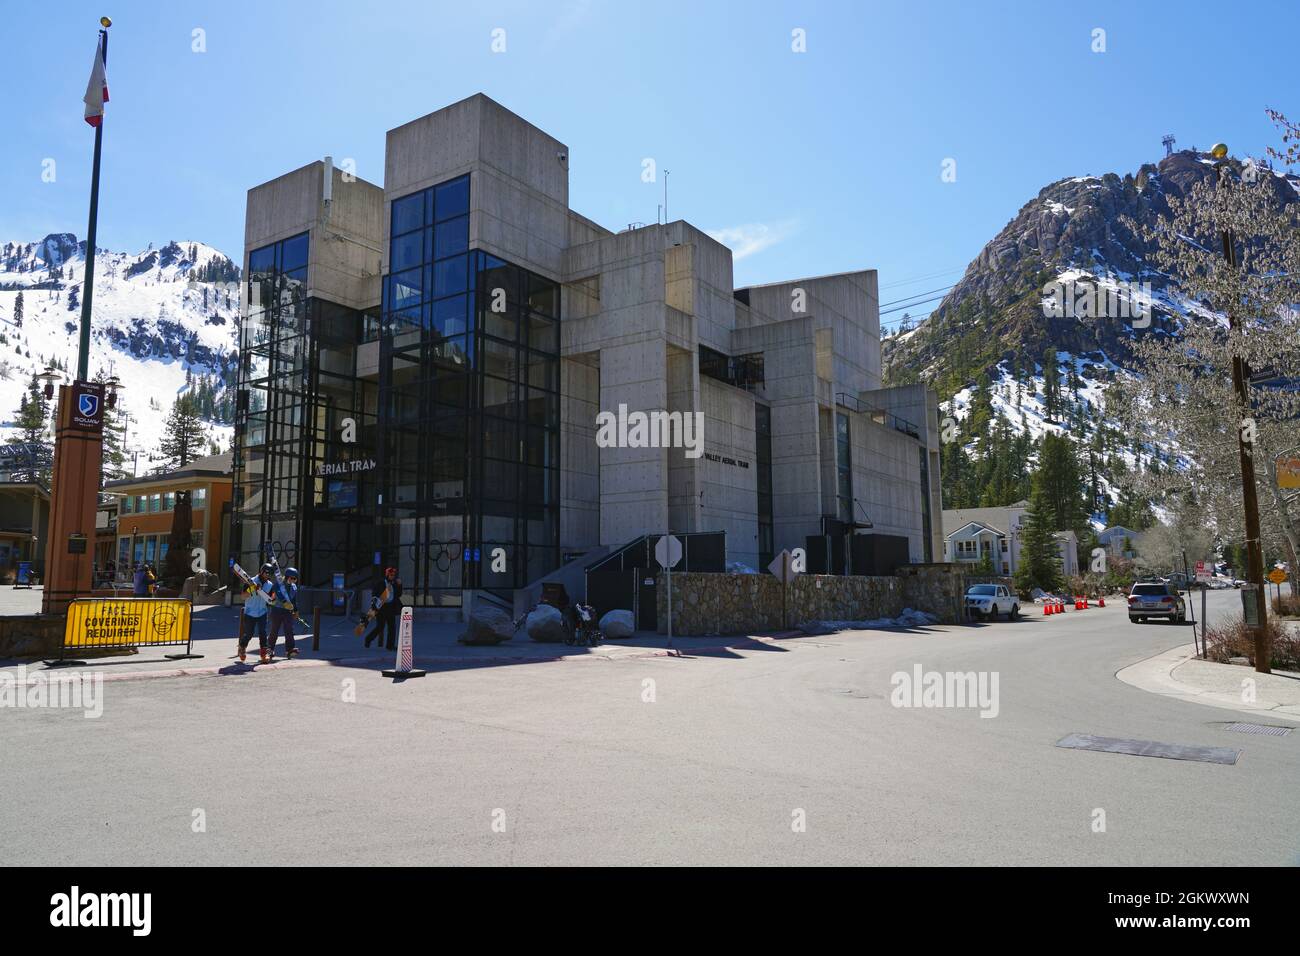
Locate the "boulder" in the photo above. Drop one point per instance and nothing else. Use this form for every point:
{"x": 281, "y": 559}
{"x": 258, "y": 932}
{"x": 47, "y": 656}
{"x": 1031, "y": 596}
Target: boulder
{"x": 545, "y": 624}
{"x": 617, "y": 624}
{"x": 488, "y": 625}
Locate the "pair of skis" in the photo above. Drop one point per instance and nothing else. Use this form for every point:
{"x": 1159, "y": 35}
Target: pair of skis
{"x": 253, "y": 586}
{"x": 279, "y": 581}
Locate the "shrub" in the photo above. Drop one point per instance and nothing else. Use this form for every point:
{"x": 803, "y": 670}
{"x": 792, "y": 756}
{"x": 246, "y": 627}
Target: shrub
{"x": 1288, "y": 604}
{"x": 1230, "y": 638}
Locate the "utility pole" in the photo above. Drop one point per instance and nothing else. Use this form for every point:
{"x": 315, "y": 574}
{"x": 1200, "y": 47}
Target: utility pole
{"x": 1245, "y": 452}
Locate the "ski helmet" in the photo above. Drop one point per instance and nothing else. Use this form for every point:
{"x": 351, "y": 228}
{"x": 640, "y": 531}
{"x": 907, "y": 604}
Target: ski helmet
{"x": 267, "y": 569}
{"x": 290, "y": 572}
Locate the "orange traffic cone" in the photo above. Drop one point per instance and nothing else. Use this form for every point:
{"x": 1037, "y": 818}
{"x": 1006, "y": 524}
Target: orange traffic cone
{"x": 1101, "y": 601}
{"x": 1047, "y": 609}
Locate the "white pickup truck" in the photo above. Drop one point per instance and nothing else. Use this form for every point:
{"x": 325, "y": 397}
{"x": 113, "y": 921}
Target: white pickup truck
{"x": 990, "y": 600}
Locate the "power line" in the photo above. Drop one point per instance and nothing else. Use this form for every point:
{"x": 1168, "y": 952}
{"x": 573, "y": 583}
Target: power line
{"x": 913, "y": 305}
{"x": 931, "y": 275}
{"x": 916, "y": 296}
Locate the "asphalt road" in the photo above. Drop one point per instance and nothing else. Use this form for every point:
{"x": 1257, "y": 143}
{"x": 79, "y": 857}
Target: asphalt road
{"x": 570, "y": 763}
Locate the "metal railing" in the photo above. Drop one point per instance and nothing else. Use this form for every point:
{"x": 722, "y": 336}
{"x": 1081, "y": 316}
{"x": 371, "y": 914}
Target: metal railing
{"x": 878, "y": 415}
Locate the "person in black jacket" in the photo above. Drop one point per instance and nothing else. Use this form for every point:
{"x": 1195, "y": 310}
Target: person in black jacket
{"x": 388, "y": 609}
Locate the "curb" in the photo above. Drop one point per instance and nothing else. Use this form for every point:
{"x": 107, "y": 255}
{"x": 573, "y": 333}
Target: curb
{"x": 1156, "y": 676}
{"x": 238, "y": 669}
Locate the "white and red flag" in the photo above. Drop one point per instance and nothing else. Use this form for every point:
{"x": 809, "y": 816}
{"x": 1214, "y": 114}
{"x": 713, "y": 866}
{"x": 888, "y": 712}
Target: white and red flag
{"x": 97, "y": 89}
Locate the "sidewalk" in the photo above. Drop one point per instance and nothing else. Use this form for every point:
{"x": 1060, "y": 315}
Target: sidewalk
{"x": 213, "y": 631}
{"x": 1178, "y": 673}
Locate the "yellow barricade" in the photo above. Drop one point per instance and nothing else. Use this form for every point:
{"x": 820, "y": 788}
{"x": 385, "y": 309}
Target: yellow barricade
{"x": 99, "y": 623}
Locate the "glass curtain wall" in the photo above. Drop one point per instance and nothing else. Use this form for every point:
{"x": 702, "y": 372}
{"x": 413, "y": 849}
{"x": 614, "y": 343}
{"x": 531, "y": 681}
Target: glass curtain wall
{"x": 297, "y": 386}
{"x": 270, "y": 411}
{"x": 469, "y": 406}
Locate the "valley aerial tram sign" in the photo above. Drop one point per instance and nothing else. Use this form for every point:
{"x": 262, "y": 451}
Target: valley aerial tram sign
{"x": 329, "y": 469}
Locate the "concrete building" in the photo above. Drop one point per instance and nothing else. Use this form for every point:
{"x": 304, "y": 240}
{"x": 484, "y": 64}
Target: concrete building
{"x": 972, "y": 534}
{"x": 433, "y": 371}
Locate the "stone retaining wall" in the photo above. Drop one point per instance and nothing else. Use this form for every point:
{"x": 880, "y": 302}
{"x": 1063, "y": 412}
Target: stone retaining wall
{"x": 751, "y": 603}
{"x": 31, "y": 635}
{"x": 706, "y": 604}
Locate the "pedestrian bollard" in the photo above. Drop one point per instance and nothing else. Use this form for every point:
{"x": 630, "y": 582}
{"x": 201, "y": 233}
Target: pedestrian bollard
{"x": 315, "y": 628}
{"x": 405, "y": 666}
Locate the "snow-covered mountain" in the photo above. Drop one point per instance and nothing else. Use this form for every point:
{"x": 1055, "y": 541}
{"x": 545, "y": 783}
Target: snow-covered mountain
{"x": 164, "y": 321}
{"x": 989, "y": 346}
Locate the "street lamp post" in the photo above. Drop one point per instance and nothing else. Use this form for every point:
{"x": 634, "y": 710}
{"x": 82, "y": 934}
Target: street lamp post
{"x": 1245, "y": 452}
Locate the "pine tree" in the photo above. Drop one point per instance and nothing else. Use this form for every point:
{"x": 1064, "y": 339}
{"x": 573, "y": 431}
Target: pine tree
{"x": 114, "y": 457}
{"x": 1051, "y": 384}
{"x": 1040, "y": 556}
{"x": 32, "y": 422}
{"x": 18, "y": 311}
{"x": 1061, "y": 483}
{"x": 183, "y": 439}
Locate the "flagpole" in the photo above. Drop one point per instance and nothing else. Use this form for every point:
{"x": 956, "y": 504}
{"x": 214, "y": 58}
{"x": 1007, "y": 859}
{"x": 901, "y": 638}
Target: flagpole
{"x": 88, "y": 279}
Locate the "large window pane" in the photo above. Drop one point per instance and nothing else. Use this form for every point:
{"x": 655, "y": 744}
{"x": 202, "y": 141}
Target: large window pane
{"x": 451, "y": 237}
{"x": 543, "y": 334}
{"x": 500, "y": 439}
{"x": 503, "y": 325}
{"x": 449, "y": 276}
{"x": 408, "y": 213}
{"x": 451, "y": 199}
{"x": 543, "y": 295}
{"x": 500, "y": 359}
{"x": 449, "y": 317}
{"x": 407, "y": 251}
{"x": 294, "y": 253}
{"x": 404, "y": 289}
{"x": 261, "y": 262}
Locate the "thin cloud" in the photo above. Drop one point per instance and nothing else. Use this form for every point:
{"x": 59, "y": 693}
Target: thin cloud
{"x": 752, "y": 238}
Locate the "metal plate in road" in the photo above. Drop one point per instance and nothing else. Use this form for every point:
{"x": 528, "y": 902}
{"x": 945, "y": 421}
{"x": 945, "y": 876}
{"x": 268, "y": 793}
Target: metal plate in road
{"x": 1149, "y": 748}
{"x": 1271, "y": 730}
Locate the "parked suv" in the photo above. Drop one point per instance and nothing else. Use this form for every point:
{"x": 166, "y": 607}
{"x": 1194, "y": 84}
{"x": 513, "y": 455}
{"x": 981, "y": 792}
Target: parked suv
{"x": 1156, "y": 599}
{"x": 990, "y": 600}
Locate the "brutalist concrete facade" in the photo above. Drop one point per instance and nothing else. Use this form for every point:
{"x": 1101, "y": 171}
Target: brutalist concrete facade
{"x": 798, "y": 434}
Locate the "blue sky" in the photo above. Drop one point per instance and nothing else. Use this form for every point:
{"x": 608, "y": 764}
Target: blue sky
{"x": 809, "y": 163}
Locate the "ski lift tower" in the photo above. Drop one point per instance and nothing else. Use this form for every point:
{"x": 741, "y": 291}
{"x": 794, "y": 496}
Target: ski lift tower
{"x": 1168, "y": 141}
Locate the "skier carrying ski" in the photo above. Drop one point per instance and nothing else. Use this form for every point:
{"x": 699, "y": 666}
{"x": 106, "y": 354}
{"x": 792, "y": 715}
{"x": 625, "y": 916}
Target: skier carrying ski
{"x": 386, "y": 608}
{"x": 257, "y": 594}
{"x": 282, "y": 611}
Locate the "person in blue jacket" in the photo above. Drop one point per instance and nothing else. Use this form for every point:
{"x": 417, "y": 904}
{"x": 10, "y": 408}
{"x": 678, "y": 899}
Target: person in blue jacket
{"x": 257, "y": 597}
{"x": 282, "y": 611}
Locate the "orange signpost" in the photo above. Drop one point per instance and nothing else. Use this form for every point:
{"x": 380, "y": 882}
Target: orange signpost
{"x": 74, "y": 494}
